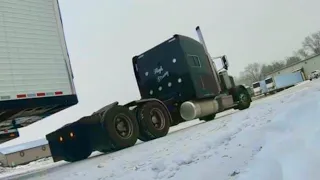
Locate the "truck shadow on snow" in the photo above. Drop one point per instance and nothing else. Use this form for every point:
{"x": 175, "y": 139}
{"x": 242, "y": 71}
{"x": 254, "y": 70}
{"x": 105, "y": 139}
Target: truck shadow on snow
{"x": 175, "y": 129}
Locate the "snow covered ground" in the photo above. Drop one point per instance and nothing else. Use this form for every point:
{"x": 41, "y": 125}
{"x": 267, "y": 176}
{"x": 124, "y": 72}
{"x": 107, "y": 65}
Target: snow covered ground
{"x": 277, "y": 138}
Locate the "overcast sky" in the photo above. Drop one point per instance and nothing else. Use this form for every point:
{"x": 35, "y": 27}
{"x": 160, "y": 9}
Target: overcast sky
{"x": 103, "y": 35}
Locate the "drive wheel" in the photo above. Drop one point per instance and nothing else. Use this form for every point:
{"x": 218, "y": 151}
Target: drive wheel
{"x": 243, "y": 98}
{"x": 121, "y": 127}
{"x": 208, "y": 118}
{"x": 154, "y": 121}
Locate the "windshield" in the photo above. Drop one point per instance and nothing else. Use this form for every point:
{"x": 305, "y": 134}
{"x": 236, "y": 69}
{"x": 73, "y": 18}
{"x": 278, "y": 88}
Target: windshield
{"x": 268, "y": 81}
{"x": 256, "y": 85}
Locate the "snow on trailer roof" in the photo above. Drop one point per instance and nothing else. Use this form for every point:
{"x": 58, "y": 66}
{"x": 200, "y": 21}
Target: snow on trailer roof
{"x": 23, "y": 146}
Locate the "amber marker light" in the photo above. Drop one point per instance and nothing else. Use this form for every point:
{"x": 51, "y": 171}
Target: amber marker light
{"x": 60, "y": 139}
{"x": 71, "y": 134}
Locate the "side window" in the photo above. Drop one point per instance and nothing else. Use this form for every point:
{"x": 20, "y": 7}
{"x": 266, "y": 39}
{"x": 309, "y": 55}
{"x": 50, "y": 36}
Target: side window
{"x": 194, "y": 61}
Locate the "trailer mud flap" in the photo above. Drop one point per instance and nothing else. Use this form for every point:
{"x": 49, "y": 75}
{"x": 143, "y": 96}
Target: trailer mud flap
{"x": 66, "y": 142}
{"x": 55, "y": 141}
{"x": 56, "y": 151}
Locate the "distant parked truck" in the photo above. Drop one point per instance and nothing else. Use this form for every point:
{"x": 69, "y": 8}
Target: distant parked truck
{"x": 314, "y": 75}
{"x": 270, "y": 85}
{"x": 259, "y": 88}
{"x": 283, "y": 81}
{"x": 256, "y": 88}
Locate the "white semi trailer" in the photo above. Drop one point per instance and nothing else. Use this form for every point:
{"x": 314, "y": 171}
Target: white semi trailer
{"x": 35, "y": 73}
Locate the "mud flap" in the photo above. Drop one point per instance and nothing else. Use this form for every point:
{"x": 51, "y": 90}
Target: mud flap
{"x": 71, "y": 139}
{"x": 56, "y": 151}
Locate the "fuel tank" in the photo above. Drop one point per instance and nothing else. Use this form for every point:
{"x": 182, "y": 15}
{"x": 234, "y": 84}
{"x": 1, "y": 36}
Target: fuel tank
{"x": 194, "y": 109}
{"x": 190, "y": 110}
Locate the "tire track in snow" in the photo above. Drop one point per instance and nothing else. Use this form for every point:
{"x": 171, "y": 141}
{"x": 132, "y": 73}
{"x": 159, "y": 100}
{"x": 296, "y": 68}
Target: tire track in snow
{"x": 167, "y": 169}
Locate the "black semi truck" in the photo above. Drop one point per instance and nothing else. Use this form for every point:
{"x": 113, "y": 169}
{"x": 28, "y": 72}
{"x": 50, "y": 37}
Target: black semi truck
{"x": 178, "y": 81}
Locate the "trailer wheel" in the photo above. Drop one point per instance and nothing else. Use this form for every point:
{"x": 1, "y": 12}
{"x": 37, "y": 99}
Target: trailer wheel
{"x": 208, "y": 118}
{"x": 121, "y": 127}
{"x": 243, "y": 99}
{"x": 154, "y": 121}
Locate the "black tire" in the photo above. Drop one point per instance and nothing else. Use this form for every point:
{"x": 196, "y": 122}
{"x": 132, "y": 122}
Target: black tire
{"x": 243, "y": 98}
{"x": 120, "y": 117}
{"x": 149, "y": 112}
{"x": 140, "y": 136}
{"x": 208, "y": 118}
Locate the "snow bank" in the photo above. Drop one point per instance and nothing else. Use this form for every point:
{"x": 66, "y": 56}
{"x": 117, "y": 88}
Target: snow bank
{"x": 35, "y": 165}
{"x": 291, "y": 147}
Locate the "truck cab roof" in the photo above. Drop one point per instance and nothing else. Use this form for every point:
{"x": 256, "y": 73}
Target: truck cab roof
{"x": 177, "y": 68}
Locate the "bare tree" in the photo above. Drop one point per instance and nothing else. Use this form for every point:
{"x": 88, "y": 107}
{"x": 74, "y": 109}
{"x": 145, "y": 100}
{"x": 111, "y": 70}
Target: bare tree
{"x": 266, "y": 69}
{"x": 303, "y": 54}
{"x": 312, "y": 43}
{"x": 252, "y": 72}
{"x": 243, "y": 79}
{"x": 255, "y": 72}
{"x": 292, "y": 60}
{"x": 277, "y": 65}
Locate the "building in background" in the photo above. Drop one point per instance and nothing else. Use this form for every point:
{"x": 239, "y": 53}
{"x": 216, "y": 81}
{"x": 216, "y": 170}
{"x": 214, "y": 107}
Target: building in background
{"x": 305, "y": 66}
{"x": 24, "y": 153}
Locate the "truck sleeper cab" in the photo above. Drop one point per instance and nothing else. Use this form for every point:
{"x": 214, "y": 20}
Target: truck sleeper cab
{"x": 287, "y": 80}
{"x": 256, "y": 88}
{"x": 176, "y": 84}
{"x": 269, "y": 83}
{"x": 271, "y": 86}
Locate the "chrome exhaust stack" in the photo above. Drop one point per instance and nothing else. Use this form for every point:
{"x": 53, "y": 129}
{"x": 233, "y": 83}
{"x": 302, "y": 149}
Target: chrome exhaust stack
{"x": 212, "y": 64}
{"x": 190, "y": 110}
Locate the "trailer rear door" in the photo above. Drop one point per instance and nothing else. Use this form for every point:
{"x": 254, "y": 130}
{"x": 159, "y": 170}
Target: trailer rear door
{"x": 34, "y": 62}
